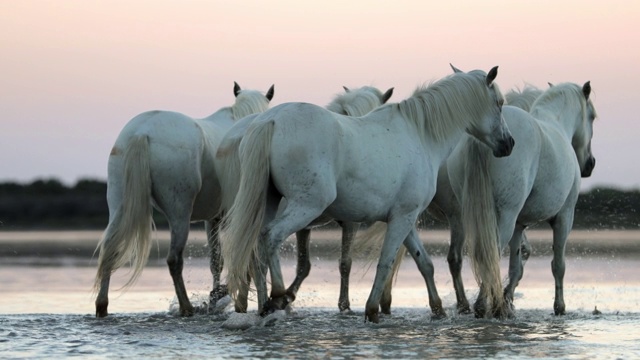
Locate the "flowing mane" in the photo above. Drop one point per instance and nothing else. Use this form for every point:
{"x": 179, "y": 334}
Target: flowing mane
{"x": 356, "y": 102}
{"x": 248, "y": 102}
{"x": 523, "y": 98}
{"x": 547, "y": 103}
{"x": 448, "y": 105}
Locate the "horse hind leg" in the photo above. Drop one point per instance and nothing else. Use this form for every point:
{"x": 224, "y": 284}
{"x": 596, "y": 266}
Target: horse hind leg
{"x": 219, "y": 290}
{"x": 304, "y": 265}
{"x": 454, "y": 258}
{"x": 103, "y": 276}
{"x": 561, "y": 226}
{"x": 297, "y": 214}
{"x": 349, "y": 230}
{"x": 175, "y": 261}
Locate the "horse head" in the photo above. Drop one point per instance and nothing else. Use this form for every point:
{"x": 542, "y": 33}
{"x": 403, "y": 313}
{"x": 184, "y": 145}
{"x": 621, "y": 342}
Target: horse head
{"x": 492, "y": 129}
{"x": 250, "y": 102}
{"x": 581, "y": 140}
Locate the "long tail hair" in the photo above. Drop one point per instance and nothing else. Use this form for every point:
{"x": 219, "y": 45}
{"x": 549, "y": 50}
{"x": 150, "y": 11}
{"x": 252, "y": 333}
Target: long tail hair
{"x": 369, "y": 242}
{"x": 128, "y": 236}
{"x": 480, "y": 224}
{"x": 243, "y": 222}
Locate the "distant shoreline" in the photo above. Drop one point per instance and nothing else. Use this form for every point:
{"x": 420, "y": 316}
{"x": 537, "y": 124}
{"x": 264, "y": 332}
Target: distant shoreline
{"x": 325, "y": 243}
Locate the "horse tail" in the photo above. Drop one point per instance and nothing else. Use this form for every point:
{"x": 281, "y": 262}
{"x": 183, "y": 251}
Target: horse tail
{"x": 480, "y": 225}
{"x": 128, "y": 236}
{"x": 229, "y": 159}
{"x": 243, "y": 222}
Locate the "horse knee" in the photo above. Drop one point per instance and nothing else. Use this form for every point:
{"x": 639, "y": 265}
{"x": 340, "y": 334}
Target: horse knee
{"x": 175, "y": 264}
{"x": 455, "y": 262}
{"x": 345, "y": 266}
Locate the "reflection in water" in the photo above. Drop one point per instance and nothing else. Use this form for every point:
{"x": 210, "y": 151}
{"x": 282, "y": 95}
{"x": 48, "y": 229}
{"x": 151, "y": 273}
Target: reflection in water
{"x": 47, "y": 312}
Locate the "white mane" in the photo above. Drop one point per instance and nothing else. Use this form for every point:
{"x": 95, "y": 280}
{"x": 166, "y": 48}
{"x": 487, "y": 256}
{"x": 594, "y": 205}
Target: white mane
{"x": 523, "y": 98}
{"x": 356, "y": 102}
{"x": 248, "y": 102}
{"x": 571, "y": 95}
{"x": 448, "y": 105}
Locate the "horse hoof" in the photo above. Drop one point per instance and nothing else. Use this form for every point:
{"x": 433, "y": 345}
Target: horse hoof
{"x": 372, "y": 317}
{"x": 187, "y": 312}
{"x": 276, "y": 303}
{"x": 464, "y": 310}
{"x": 438, "y": 314}
{"x": 346, "y": 311}
{"x": 218, "y": 293}
{"x": 101, "y": 311}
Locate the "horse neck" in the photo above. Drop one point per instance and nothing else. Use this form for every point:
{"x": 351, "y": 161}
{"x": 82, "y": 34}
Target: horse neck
{"x": 557, "y": 116}
{"x": 223, "y": 115}
{"x": 437, "y": 149}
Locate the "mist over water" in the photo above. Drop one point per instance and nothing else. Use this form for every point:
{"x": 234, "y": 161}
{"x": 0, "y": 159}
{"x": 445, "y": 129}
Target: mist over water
{"x": 47, "y": 311}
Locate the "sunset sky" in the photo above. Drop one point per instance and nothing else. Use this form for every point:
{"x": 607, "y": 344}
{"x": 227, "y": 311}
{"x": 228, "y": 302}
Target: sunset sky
{"x": 73, "y": 73}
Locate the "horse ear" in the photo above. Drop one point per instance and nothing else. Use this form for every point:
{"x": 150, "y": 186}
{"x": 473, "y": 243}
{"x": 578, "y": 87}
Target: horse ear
{"x": 586, "y": 89}
{"x": 455, "y": 69}
{"x": 236, "y": 89}
{"x": 346, "y": 89}
{"x": 387, "y": 95}
{"x": 492, "y": 75}
{"x": 269, "y": 94}
{"x": 550, "y": 84}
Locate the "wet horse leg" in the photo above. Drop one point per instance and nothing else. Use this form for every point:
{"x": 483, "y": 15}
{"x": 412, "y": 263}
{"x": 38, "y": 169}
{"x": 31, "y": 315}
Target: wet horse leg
{"x": 454, "y": 258}
{"x": 304, "y": 265}
{"x": 179, "y": 235}
{"x": 102, "y": 300}
{"x": 561, "y": 226}
{"x": 516, "y": 268}
{"x": 425, "y": 265}
{"x": 349, "y": 230}
{"x": 297, "y": 214}
{"x": 215, "y": 261}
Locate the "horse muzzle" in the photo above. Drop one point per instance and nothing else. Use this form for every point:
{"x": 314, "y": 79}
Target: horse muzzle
{"x": 505, "y": 147}
{"x": 588, "y": 167}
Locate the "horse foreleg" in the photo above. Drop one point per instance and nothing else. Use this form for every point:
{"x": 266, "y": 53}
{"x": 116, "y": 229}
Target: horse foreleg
{"x": 397, "y": 230}
{"x": 304, "y": 265}
{"x": 179, "y": 235}
{"x": 425, "y": 265}
{"x": 385, "y": 301}
{"x": 349, "y": 230}
{"x": 516, "y": 267}
{"x": 454, "y": 258}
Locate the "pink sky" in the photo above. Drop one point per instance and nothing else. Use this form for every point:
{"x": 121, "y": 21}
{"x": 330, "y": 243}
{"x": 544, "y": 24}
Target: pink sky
{"x": 75, "y": 72}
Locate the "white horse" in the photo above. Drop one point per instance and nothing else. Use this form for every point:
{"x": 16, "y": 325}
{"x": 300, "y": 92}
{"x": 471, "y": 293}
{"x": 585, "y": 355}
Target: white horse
{"x": 165, "y": 160}
{"x": 353, "y": 102}
{"x": 444, "y": 207}
{"x": 500, "y": 198}
{"x": 379, "y": 167}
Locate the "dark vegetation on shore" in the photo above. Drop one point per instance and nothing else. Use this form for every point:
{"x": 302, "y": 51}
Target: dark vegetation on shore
{"x": 50, "y": 205}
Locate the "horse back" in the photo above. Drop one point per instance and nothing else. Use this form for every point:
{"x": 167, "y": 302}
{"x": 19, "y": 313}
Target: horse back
{"x": 365, "y": 163}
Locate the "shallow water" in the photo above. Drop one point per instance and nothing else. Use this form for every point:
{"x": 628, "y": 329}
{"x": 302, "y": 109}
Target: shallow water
{"x": 46, "y": 311}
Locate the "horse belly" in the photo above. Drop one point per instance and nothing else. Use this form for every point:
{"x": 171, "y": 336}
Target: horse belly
{"x": 543, "y": 203}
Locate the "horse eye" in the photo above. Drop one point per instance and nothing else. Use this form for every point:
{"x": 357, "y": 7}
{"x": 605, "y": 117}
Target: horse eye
{"x": 500, "y": 102}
